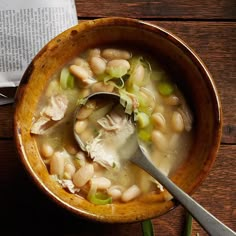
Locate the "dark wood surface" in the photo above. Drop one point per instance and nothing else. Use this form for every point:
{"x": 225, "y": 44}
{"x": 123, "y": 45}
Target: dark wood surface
{"x": 209, "y": 27}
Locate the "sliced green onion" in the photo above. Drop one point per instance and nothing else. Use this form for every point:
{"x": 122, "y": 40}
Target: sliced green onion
{"x": 99, "y": 198}
{"x": 126, "y": 101}
{"x": 117, "y": 72}
{"x": 143, "y": 120}
{"x": 144, "y": 135}
{"x": 147, "y": 228}
{"x": 134, "y": 63}
{"x": 188, "y": 225}
{"x": 117, "y": 82}
{"x": 143, "y": 102}
{"x": 70, "y": 81}
{"x": 165, "y": 88}
{"x": 66, "y": 79}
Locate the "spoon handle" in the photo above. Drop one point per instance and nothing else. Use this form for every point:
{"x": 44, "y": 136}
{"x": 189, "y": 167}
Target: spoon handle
{"x": 211, "y": 224}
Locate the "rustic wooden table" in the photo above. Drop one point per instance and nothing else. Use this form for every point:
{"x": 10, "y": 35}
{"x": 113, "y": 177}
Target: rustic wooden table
{"x": 209, "y": 27}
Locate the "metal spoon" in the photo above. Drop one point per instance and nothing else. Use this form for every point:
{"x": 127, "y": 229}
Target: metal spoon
{"x": 210, "y": 223}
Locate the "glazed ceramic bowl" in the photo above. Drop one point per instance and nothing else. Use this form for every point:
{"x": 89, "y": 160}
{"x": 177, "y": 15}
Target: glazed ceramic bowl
{"x": 195, "y": 82}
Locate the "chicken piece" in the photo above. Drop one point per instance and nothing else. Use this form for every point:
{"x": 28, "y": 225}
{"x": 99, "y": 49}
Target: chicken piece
{"x": 40, "y": 125}
{"x": 68, "y": 184}
{"x": 54, "y": 111}
{"x": 103, "y": 154}
{"x": 56, "y": 108}
{"x": 116, "y": 130}
{"x": 112, "y": 121}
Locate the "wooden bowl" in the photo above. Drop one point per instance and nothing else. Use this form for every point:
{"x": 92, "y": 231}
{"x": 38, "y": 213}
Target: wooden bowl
{"x": 195, "y": 82}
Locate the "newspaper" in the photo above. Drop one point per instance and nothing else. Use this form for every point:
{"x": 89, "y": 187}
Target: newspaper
{"x": 25, "y": 27}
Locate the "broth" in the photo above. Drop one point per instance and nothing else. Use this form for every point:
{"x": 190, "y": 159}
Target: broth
{"x": 146, "y": 89}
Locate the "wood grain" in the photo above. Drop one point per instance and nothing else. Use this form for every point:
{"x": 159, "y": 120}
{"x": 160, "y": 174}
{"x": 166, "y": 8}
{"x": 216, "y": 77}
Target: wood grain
{"x": 6, "y": 121}
{"x": 22, "y": 198}
{"x": 183, "y": 9}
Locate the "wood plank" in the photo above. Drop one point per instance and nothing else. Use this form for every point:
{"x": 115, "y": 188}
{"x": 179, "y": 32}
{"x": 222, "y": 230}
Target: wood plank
{"x": 6, "y": 121}
{"x": 216, "y": 194}
{"x": 171, "y": 9}
{"x": 215, "y": 43}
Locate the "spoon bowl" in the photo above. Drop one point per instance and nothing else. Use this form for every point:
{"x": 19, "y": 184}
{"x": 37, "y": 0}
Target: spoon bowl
{"x": 94, "y": 96}
{"x": 212, "y": 225}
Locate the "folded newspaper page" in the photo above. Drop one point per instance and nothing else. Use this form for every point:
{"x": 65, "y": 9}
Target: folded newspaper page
{"x": 25, "y": 27}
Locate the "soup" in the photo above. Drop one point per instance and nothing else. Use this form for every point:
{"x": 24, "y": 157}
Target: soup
{"x": 102, "y": 173}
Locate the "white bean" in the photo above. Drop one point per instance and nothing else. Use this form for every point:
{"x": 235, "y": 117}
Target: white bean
{"x": 115, "y": 191}
{"x": 95, "y": 52}
{"x": 57, "y": 164}
{"x": 80, "y": 126}
{"x": 101, "y": 87}
{"x": 81, "y": 159}
{"x": 98, "y": 65}
{"x": 46, "y": 150}
{"x": 159, "y": 140}
{"x": 148, "y": 96}
{"x": 117, "y": 63}
{"x": 159, "y": 108}
{"x": 159, "y": 120}
{"x": 83, "y": 175}
{"x": 187, "y": 117}
{"x": 101, "y": 182}
{"x": 71, "y": 148}
{"x": 172, "y": 100}
{"x": 139, "y": 75}
{"x": 82, "y": 75}
{"x": 86, "y": 110}
{"x": 83, "y": 63}
{"x": 130, "y": 193}
{"x": 69, "y": 170}
{"x": 87, "y": 135}
{"x": 111, "y": 53}
{"x": 177, "y": 122}
{"x": 79, "y": 72}
{"x": 115, "y": 194}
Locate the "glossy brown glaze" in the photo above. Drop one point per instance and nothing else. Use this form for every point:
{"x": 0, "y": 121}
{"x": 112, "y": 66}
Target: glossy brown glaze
{"x": 195, "y": 81}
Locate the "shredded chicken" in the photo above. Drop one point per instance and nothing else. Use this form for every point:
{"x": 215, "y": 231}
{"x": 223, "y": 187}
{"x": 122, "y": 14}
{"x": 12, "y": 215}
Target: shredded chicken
{"x": 116, "y": 129}
{"x": 67, "y": 183}
{"x": 56, "y": 107}
{"x": 40, "y": 125}
{"x": 54, "y": 111}
{"x": 108, "y": 123}
{"x": 102, "y": 153}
